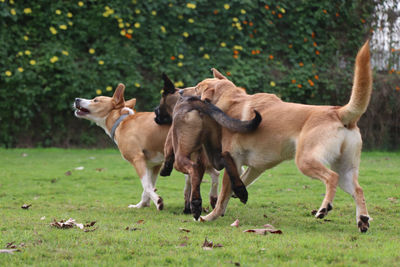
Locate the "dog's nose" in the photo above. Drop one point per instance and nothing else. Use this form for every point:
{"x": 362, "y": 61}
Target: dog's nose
{"x": 77, "y": 100}
{"x": 181, "y": 91}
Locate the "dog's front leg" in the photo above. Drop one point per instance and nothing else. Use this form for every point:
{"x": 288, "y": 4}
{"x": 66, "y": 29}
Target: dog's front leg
{"x": 223, "y": 199}
{"x": 148, "y": 177}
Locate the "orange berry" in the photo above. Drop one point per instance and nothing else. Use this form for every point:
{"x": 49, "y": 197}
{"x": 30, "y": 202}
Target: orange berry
{"x": 280, "y": 15}
{"x": 228, "y": 73}
{"x": 266, "y": 7}
{"x": 271, "y": 57}
{"x": 324, "y": 10}
{"x": 235, "y": 52}
{"x": 173, "y": 58}
{"x": 317, "y": 52}
{"x": 293, "y": 81}
{"x": 235, "y": 56}
{"x": 301, "y": 64}
{"x": 299, "y": 85}
{"x": 316, "y": 77}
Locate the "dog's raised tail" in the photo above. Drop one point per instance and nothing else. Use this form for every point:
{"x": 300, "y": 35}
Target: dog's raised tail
{"x": 362, "y": 88}
{"x": 224, "y": 120}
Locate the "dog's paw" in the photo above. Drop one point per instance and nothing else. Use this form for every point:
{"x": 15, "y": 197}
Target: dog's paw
{"x": 363, "y": 223}
{"x": 241, "y": 193}
{"x": 322, "y": 212}
{"x": 166, "y": 170}
{"x": 195, "y": 206}
{"x": 160, "y": 204}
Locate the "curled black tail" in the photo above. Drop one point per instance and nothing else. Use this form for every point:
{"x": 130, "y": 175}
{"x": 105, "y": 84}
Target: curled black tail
{"x": 223, "y": 119}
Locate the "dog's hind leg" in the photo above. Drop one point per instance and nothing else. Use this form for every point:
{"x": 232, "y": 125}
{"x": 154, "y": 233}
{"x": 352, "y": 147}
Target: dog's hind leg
{"x": 214, "y": 174}
{"x": 196, "y": 176}
{"x": 347, "y": 167}
{"x": 313, "y": 168}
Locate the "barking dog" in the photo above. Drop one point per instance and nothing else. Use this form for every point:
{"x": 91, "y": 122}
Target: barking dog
{"x": 139, "y": 139}
{"x": 316, "y": 136}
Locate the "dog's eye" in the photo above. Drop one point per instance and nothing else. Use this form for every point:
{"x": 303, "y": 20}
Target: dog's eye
{"x": 95, "y": 100}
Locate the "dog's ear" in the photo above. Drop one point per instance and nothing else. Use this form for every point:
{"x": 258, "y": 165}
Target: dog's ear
{"x": 169, "y": 87}
{"x": 118, "y": 97}
{"x": 218, "y": 74}
{"x": 130, "y": 103}
{"x": 207, "y": 93}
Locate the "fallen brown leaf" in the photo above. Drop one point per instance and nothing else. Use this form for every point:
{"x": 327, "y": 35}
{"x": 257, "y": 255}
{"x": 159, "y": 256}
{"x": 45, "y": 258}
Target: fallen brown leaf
{"x": 100, "y": 169}
{"x": 26, "y": 206}
{"x": 235, "y": 223}
{"x": 11, "y": 245}
{"x": 207, "y": 245}
{"x": 9, "y": 251}
{"x": 184, "y": 230}
{"x": 313, "y": 212}
{"x": 140, "y": 221}
{"x": 90, "y": 224}
{"x": 132, "y": 229}
{"x": 63, "y": 224}
{"x": 263, "y": 231}
{"x": 184, "y": 244}
{"x": 68, "y": 173}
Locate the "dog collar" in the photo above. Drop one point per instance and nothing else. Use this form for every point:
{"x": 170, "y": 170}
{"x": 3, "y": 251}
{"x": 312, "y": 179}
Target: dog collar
{"x": 116, "y": 124}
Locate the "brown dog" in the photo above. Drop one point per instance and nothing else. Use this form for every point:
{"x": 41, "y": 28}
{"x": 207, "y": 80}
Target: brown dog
{"x": 196, "y": 128}
{"x": 316, "y": 136}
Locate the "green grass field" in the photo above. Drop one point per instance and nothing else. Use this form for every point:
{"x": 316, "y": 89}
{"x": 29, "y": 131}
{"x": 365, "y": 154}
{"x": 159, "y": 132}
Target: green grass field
{"x": 105, "y": 187}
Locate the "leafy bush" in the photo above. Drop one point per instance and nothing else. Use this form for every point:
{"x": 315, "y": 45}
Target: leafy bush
{"x": 54, "y": 51}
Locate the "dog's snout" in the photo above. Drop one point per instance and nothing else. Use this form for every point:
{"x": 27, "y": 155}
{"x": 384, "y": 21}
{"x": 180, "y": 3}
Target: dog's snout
{"x": 181, "y": 91}
{"x": 77, "y": 100}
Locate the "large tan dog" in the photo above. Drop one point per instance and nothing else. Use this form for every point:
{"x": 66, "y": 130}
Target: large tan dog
{"x": 317, "y": 136}
{"x": 139, "y": 138}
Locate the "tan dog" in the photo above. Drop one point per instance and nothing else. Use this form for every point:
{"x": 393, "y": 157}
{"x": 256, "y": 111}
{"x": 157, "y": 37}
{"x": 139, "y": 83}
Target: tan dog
{"x": 139, "y": 139}
{"x": 316, "y": 136}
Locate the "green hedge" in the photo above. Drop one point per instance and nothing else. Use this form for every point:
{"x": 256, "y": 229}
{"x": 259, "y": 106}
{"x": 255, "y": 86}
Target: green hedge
{"x": 54, "y": 51}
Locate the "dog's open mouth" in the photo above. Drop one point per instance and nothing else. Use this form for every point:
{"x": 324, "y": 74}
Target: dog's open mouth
{"x": 80, "y": 111}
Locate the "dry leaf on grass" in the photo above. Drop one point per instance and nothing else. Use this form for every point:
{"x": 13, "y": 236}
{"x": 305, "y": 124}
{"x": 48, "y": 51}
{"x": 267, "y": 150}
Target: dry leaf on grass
{"x": 132, "y": 229}
{"x": 99, "y": 169}
{"x": 184, "y": 230}
{"x": 24, "y": 155}
{"x": 9, "y": 251}
{"x": 68, "y": 173}
{"x": 71, "y": 223}
{"x": 140, "y": 221}
{"x": 263, "y": 231}
{"x": 209, "y": 245}
{"x": 235, "y": 223}
{"x": 26, "y": 206}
